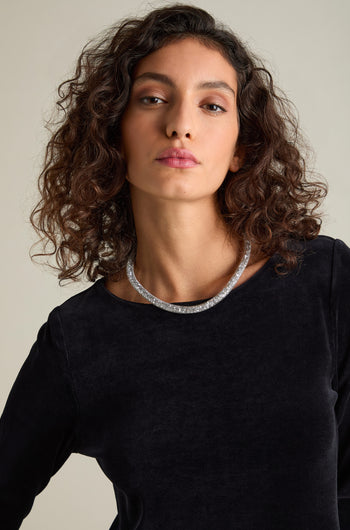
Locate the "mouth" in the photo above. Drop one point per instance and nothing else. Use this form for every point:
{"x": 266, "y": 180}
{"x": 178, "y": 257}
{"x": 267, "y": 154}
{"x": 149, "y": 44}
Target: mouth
{"x": 177, "y": 162}
{"x": 177, "y": 158}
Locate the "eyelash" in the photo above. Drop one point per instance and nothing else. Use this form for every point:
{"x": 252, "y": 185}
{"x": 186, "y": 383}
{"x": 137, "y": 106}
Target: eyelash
{"x": 142, "y": 100}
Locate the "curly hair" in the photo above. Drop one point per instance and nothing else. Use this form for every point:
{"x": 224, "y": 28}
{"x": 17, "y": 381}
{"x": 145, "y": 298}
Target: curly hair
{"x": 85, "y": 210}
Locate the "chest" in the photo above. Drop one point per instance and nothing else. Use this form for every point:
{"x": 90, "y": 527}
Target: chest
{"x": 250, "y": 389}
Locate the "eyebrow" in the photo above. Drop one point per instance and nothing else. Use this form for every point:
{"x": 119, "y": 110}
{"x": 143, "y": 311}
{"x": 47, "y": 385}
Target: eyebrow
{"x": 162, "y": 78}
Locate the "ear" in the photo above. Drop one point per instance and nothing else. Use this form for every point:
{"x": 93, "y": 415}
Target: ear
{"x": 237, "y": 160}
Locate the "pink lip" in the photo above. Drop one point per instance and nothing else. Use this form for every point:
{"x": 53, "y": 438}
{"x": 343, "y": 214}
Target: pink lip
{"x": 177, "y": 162}
{"x": 178, "y": 157}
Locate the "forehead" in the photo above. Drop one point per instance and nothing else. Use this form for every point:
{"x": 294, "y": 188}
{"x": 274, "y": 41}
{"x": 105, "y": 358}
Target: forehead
{"x": 188, "y": 58}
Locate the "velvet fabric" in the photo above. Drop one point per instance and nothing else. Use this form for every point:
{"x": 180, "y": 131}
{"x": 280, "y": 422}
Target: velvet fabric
{"x": 235, "y": 418}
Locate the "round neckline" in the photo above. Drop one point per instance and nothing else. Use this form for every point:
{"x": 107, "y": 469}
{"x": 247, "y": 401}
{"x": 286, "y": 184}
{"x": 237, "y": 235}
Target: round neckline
{"x": 101, "y": 284}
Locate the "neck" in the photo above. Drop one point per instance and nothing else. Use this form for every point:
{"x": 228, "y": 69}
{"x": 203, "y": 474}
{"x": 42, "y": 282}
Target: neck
{"x": 184, "y": 252}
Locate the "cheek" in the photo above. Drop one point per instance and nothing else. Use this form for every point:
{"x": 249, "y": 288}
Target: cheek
{"x": 136, "y": 133}
{"x": 130, "y": 140}
{"x": 223, "y": 140}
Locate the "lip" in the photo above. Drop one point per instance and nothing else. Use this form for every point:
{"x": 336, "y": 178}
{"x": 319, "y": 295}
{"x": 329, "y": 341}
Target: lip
{"x": 177, "y": 162}
{"x": 179, "y": 154}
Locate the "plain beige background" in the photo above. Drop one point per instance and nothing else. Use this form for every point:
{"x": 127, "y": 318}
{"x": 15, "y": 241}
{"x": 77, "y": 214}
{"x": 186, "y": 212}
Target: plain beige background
{"x": 304, "y": 43}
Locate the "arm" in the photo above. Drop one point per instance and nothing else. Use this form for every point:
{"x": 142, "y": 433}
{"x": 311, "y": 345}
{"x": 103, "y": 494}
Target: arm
{"x": 341, "y": 315}
{"x": 38, "y": 425}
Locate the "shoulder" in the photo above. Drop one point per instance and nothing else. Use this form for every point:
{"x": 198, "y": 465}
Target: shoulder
{"x": 85, "y": 321}
{"x": 82, "y": 302}
{"x": 323, "y": 265}
{"x": 82, "y": 310}
{"x": 321, "y": 254}
{"x": 320, "y": 246}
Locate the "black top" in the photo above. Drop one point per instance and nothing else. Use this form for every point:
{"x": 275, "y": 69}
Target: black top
{"x": 235, "y": 418}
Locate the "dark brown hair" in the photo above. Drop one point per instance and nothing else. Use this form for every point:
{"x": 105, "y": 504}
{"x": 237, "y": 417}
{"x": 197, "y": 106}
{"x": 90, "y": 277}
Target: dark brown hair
{"x": 85, "y": 209}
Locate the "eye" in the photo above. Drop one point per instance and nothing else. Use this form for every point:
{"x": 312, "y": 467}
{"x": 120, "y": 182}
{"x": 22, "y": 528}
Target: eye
{"x": 214, "y": 108}
{"x": 151, "y": 100}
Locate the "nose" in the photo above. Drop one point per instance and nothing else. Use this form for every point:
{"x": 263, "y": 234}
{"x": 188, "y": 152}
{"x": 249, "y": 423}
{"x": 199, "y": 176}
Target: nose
{"x": 179, "y": 121}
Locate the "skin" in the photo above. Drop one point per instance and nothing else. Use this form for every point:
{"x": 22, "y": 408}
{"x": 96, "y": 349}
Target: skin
{"x": 183, "y": 249}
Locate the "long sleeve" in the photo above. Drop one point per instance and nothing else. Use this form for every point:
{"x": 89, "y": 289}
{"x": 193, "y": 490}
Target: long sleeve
{"x": 341, "y": 314}
{"x": 38, "y": 425}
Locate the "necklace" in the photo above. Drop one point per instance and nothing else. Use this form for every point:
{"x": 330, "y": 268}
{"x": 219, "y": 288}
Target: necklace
{"x": 174, "y": 308}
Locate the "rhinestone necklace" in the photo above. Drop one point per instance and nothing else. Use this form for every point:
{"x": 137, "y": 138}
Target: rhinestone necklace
{"x": 174, "y": 308}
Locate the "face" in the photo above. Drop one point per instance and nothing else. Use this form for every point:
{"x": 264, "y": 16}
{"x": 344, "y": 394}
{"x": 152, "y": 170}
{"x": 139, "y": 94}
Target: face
{"x": 183, "y": 97}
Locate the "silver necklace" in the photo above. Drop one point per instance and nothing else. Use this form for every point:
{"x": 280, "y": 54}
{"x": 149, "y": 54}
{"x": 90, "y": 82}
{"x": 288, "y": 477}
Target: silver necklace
{"x": 174, "y": 308}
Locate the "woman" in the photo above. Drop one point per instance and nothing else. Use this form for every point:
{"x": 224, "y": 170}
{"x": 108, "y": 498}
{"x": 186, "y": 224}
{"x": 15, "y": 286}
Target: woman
{"x": 207, "y": 369}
